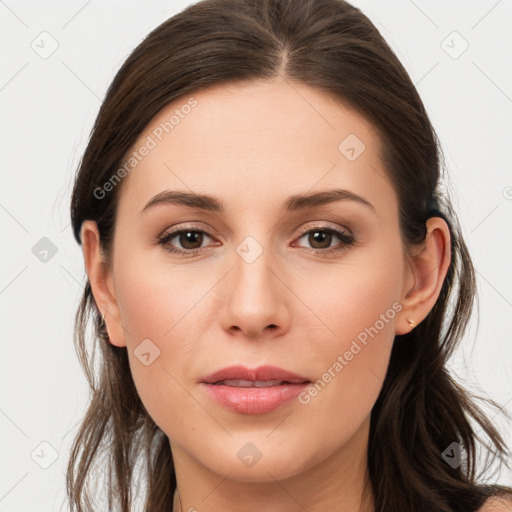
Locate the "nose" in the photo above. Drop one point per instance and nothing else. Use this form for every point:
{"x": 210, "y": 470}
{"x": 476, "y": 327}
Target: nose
{"x": 256, "y": 298}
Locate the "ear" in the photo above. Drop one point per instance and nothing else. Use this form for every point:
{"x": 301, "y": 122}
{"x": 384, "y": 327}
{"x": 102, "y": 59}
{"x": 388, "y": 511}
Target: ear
{"x": 101, "y": 280}
{"x": 425, "y": 272}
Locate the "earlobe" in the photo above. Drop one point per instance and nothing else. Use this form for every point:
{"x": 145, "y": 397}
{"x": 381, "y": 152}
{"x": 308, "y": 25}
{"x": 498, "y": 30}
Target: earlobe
{"x": 100, "y": 279}
{"x": 425, "y": 273}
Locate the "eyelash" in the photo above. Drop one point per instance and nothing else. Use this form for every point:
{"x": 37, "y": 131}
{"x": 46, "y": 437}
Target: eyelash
{"x": 347, "y": 240}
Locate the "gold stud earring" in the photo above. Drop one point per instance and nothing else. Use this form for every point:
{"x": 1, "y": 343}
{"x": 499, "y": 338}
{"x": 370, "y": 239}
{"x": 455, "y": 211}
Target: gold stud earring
{"x": 412, "y": 323}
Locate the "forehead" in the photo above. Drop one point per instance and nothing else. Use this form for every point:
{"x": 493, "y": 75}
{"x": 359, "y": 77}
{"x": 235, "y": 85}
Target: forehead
{"x": 250, "y": 142}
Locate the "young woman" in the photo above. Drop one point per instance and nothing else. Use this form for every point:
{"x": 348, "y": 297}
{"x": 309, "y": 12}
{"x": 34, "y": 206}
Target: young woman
{"x": 275, "y": 281}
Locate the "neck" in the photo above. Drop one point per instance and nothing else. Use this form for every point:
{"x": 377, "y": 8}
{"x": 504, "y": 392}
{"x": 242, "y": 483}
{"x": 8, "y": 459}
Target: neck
{"x": 334, "y": 484}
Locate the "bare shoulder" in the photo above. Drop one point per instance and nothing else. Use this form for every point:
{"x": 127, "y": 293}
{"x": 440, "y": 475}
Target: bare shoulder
{"x": 497, "y": 504}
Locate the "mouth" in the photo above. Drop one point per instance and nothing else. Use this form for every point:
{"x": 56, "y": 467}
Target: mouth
{"x": 263, "y": 376}
{"x": 240, "y": 383}
{"x": 253, "y": 391}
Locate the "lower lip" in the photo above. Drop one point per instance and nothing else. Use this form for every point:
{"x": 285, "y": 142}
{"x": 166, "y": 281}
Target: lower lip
{"x": 254, "y": 400}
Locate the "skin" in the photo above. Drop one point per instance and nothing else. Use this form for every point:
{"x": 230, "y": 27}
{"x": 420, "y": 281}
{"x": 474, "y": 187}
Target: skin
{"x": 253, "y": 146}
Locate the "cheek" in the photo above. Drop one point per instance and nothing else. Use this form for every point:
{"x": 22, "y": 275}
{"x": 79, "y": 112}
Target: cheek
{"x": 358, "y": 295}
{"x": 157, "y": 313}
{"x": 156, "y": 301}
{"x": 357, "y": 304}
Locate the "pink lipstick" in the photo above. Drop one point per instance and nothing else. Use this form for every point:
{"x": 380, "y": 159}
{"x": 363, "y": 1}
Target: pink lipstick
{"x": 256, "y": 391}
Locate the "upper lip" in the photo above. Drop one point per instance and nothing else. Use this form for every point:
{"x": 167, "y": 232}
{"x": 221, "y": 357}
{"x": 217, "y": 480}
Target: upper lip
{"x": 262, "y": 373}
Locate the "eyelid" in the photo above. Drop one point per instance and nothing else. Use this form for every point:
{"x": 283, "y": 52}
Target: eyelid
{"x": 343, "y": 234}
{"x": 205, "y": 228}
{"x": 324, "y": 225}
{"x": 302, "y": 231}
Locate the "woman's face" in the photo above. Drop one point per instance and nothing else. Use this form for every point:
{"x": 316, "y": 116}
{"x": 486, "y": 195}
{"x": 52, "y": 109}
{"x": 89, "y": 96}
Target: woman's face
{"x": 260, "y": 279}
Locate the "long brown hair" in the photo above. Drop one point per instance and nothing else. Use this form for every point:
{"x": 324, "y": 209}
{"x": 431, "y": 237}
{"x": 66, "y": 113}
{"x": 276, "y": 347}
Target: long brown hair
{"x": 331, "y": 46}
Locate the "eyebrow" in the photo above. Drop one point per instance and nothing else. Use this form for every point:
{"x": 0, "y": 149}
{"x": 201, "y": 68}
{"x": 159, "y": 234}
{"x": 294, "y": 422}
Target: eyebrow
{"x": 294, "y": 203}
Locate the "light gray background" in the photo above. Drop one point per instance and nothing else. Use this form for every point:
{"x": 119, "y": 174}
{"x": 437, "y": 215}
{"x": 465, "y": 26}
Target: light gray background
{"x": 48, "y": 106}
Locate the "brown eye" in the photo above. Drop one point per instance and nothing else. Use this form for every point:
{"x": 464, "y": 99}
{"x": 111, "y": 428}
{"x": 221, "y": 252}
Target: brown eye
{"x": 190, "y": 239}
{"x": 186, "y": 241}
{"x": 320, "y": 239}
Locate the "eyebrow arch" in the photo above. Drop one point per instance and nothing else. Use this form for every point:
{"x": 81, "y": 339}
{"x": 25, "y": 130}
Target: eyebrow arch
{"x": 294, "y": 203}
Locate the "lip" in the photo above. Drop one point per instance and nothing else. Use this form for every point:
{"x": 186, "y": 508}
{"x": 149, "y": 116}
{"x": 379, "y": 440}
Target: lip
{"x": 266, "y": 372}
{"x": 254, "y": 400}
